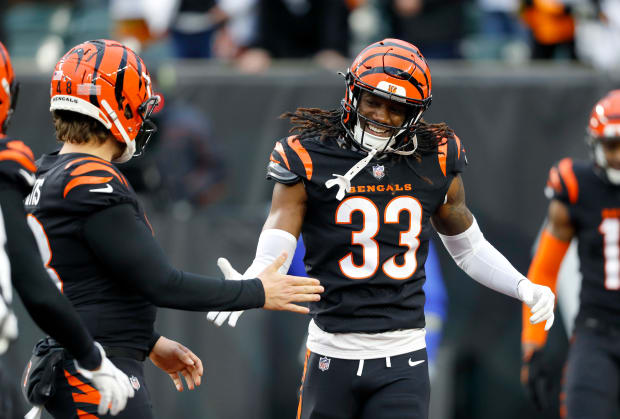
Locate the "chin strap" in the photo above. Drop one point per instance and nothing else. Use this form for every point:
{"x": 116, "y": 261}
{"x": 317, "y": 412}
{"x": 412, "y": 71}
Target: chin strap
{"x": 344, "y": 182}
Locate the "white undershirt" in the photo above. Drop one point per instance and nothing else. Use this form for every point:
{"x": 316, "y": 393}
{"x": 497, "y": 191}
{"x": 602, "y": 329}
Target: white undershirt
{"x": 364, "y": 345}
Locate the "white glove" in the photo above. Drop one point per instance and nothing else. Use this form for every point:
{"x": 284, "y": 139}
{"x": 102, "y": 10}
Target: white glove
{"x": 539, "y": 299}
{"x": 219, "y": 317}
{"x": 8, "y": 330}
{"x": 112, "y": 384}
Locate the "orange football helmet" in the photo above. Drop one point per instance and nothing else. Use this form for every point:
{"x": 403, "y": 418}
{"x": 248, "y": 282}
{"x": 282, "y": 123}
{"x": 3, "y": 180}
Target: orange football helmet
{"x": 9, "y": 89}
{"x": 604, "y": 125}
{"x": 107, "y": 81}
{"x": 396, "y": 70}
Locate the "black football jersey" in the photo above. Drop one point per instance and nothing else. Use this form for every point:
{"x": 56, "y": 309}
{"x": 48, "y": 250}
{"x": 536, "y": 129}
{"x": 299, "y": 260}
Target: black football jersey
{"x": 17, "y": 164}
{"x": 594, "y": 207}
{"x": 368, "y": 250}
{"x": 69, "y": 188}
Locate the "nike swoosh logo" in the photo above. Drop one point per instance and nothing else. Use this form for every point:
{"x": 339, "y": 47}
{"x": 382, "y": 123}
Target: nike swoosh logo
{"x": 108, "y": 188}
{"x": 414, "y": 363}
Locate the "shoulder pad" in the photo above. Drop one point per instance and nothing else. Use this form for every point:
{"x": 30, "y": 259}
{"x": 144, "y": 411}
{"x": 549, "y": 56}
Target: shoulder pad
{"x": 562, "y": 183}
{"x": 292, "y": 157}
{"x": 93, "y": 182}
{"x": 451, "y": 155}
{"x": 17, "y": 164}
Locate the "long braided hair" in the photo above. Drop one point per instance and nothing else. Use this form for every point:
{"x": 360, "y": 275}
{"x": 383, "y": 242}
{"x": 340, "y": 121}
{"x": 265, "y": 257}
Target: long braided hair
{"x": 315, "y": 122}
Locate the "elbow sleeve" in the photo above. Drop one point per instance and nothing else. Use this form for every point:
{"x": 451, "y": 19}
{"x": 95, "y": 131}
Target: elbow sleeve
{"x": 480, "y": 260}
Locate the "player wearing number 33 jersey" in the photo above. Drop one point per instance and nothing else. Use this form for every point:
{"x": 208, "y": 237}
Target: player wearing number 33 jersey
{"x": 365, "y": 184}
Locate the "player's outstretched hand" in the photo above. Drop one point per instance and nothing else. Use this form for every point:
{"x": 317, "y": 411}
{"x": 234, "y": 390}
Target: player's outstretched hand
{"x": 539, "y": 299}
{"x": 177, "y": 361}
{"x": 219, "y": 317}
{"x": 536, "y": 376}
{"x": 113, "y": 385}
{"x": 281, "y": 291}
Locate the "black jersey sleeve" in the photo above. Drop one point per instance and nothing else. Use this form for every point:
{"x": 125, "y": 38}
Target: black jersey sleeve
{"x": 562, "y": 183}
{"x": 50, "y": 310}
{"x": 289, "y": 162}
{"x": 17, "y": 165}
{"x": 90, "y": 184}
{"x": 127, "y": 248}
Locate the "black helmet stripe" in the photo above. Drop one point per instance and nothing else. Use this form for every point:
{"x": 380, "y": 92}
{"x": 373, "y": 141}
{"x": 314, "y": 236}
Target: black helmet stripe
{"x": 415, "y": 51}
{"x": 100, "y": 46}
{"x": 401, "y": 57}
{"x": 139, "y": 61}
{"x": 397, "y": 71}
{"x": 120, "y": 80}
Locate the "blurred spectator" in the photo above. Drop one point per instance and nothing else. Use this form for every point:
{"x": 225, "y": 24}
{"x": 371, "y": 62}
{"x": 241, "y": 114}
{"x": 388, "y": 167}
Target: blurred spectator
{"x": 500, "y": 25}
{"x": 315, "y": 29}
{"x": 435, "y": 26}
{"x": 239, "y": 33}
{"x": 193, "y": 27}
{"x": 553, "y": 28}
{"x": 597, "y": 35}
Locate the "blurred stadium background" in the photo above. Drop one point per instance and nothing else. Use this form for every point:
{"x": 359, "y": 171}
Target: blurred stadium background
{"x": 226, "y": 77}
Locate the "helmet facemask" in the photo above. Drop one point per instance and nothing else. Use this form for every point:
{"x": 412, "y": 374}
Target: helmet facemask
{"x": 598, "y": 155}
{"x": 148, "y": 127}
{"x": 13, "y": 93}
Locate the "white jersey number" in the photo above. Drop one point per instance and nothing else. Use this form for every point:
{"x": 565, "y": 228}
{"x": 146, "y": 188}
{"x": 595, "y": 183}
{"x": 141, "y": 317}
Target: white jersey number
{"x": 610, "y": 229}
{"x": 371, "y": 225}
{"x": 44, "y": 248}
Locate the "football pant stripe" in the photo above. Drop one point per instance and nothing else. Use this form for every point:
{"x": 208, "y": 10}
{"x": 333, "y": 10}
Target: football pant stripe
{"x": 302, "y": 153}
{"x": 303, "y": 378}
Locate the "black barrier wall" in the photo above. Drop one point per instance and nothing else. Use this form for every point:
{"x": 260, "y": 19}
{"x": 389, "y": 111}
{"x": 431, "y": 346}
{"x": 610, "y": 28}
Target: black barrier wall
{"x": 514, "y": 123}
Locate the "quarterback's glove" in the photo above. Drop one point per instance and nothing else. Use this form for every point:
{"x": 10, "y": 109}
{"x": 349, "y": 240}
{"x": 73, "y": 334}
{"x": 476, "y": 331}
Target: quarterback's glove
{"x": 539, "y": 299}
{"x": 539, "y": 384}
{"x": 219, "y": 317}
{"x": 112, "y": 384}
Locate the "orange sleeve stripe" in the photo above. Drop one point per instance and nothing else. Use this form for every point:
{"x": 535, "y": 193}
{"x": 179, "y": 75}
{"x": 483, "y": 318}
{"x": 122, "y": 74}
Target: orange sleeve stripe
{"x": 543, "y": 271}
{"x": 84, "y": 180}
{"x": 18, "y": 157}
{"x": 89, "y": 394}
{"x": 84, "y": 415}
{"x": 442, "y": 155}
{"x": 302, "y": 153}
{"x": 93, "y": 158}
{"x": 91, "y": 167}
{"x": 458, "y": 147}
{"x": 280, "y": 151}
{"x": 570, "y": 180}
{"x": 20, "y": 146}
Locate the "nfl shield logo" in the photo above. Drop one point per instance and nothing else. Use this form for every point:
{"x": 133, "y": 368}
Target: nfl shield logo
{"x": 324, "y": 363}
{"x": 134, "y": 382}
{"x": 378, "y": 171}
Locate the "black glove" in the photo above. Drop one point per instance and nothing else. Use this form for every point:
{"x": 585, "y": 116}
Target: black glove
{"x": 540, "y": 384}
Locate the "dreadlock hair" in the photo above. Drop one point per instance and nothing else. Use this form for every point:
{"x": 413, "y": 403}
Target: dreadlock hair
{"x": 315, "y": 122}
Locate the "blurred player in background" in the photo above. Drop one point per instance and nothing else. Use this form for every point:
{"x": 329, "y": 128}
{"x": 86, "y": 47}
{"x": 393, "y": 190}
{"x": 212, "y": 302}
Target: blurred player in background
{"x": 100, "y": 248}
{"x": 20, "y": 265}
{"x": 367, "y": 238}
{"x": 585, "y": 205}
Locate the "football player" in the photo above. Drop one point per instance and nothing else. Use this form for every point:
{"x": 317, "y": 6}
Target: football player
{"x": 585, "y": 205}
{"x": 97, "y": 242}
{"x": 19, "y": 265}
{"x": 365, "y": 184}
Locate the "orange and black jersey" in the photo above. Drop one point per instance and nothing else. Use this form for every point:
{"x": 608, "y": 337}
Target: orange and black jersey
{"x": 69, "y": 188}
{"x": 369, "y": 249}
{"x": 594, "y": 208}
{"x": 17, "y": 164}
{"x": 102, "y": 252}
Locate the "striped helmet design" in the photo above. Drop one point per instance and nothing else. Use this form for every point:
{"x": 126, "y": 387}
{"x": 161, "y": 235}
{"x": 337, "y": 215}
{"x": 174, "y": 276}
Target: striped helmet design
{"x": 604, "y": 125}
{"x": 393, "y": 69}
{"x": 8, "y": 89}
{"x": 109, "y": 82}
